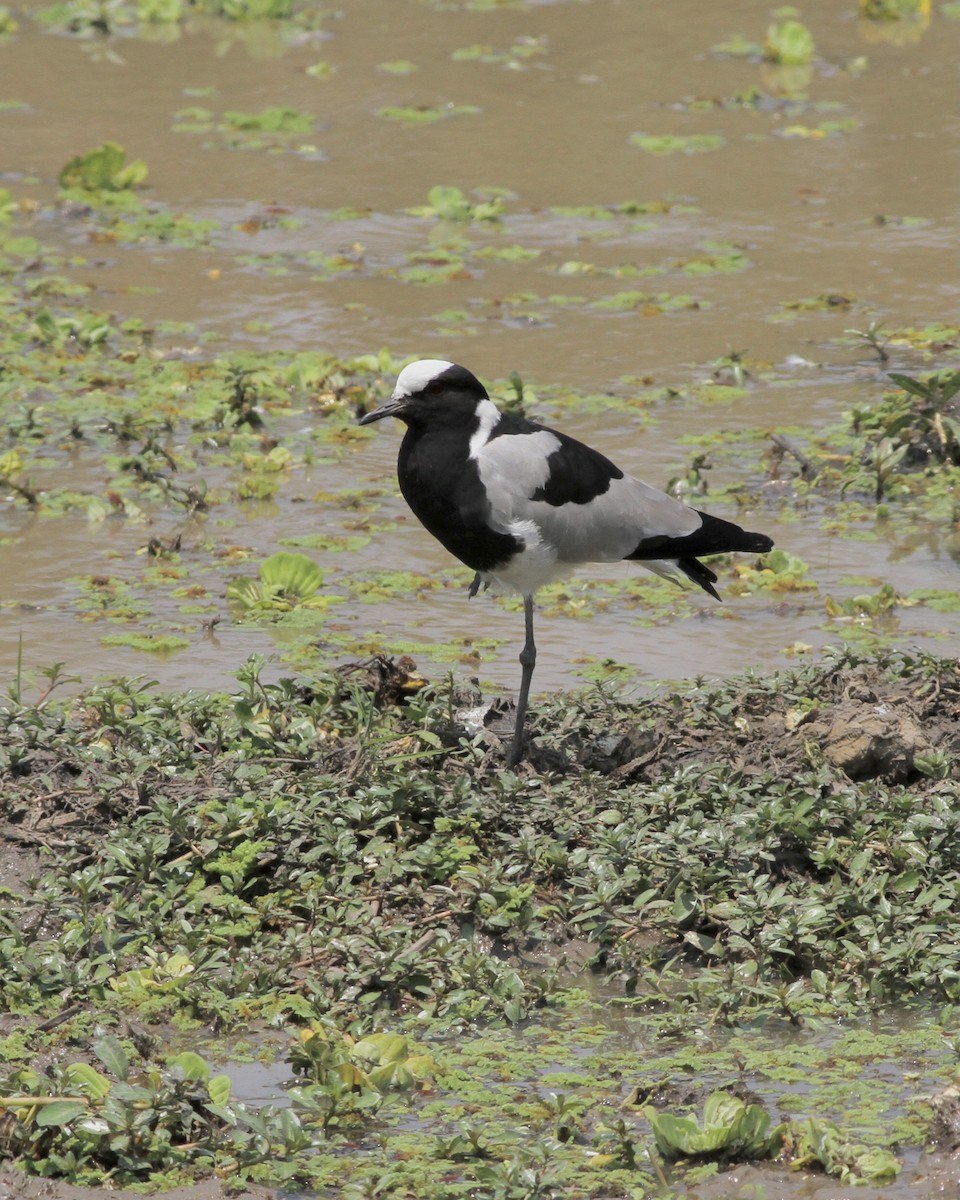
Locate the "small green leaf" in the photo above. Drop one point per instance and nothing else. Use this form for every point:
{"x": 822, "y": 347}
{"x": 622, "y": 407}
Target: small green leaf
{"x": 382, "y": 1048}
{"x": 87, "y": 1079}
{"x": 913, "y": 386}
{"x": 60, "y": 1113}
{"x": 113, "y": 1056}
{"x": 192, "y": 1065}
{"x": 219, "y": 1089}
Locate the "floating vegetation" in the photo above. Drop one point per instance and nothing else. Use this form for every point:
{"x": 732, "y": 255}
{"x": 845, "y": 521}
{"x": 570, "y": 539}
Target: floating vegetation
{"x": 893, "y": 10}
{"x": 273, "y": 129}
{"x": 286, "y": 581}
{"x": 446, "y": 203}
{"x": 670, "y": 143}
{"x": 425, "y": 114}
{"x": 648, "y": 304}
{"x": 516, "y": 57}
{"x": 278, "y": 119}
{"x": 788, "y": 43}
{"x": 87, "y": 18}
{"x": 626, "y": 208}
{"x": 400, "y": 66}
{"x": 899, "y": 22}
{"x": 731, "y": 1129}
{"x": 825, "y": 129}
{"x": 103, "y": 170}
{"x": 826, "y": 302}
{"x": 151, "y": 643}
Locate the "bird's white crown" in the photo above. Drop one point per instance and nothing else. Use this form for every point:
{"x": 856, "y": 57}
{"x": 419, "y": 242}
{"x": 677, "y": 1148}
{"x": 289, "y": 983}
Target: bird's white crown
{"x": 416, "y": 375}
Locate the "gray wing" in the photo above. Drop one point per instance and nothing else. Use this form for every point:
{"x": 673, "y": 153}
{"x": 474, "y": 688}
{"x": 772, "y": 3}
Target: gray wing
{"x": 582, "y": 505}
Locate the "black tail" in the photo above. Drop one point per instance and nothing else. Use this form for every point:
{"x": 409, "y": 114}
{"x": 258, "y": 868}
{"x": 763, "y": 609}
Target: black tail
{"x": 694, "y": 569}
{"x": 715, "y": 536}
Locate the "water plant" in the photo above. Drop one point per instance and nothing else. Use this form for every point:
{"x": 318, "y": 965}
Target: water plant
{"x": 893, "y": 10}
{"x": 731, "y": 1129}
{"x": 930, "y": 417}
{"x": 103, "y": 169}
{"x": 788, "y": 43}
{"x": 447, "y": 203}
{"x": 286, "y": 581}
{"x": 87, "y": 1124}
{"x": 820, "y": 1143}
{"x": 424, "y": 114}
{"x": 671, "y": 143}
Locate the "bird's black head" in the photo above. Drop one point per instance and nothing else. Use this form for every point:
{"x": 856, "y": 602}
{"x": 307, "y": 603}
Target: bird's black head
{"x": 431, "y": 390}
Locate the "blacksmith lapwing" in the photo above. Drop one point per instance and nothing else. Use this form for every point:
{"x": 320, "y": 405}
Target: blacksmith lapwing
{"x": 521, "y": 504}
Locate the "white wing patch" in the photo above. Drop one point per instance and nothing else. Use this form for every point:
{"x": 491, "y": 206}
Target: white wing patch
{"x": 489, "y": 416}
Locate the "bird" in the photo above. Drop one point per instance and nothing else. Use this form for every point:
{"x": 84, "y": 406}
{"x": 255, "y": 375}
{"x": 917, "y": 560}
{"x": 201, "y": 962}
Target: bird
{"x": 521, "y": 504}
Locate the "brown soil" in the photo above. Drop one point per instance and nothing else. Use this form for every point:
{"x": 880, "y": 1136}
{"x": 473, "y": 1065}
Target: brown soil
{"x": 860, "y": 720}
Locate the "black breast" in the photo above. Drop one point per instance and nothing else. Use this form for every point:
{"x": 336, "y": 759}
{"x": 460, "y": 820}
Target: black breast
{"x": 441, "y": 483}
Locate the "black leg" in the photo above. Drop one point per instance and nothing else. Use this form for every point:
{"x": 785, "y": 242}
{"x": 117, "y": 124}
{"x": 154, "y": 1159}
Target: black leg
{"x": 528, "y": 660}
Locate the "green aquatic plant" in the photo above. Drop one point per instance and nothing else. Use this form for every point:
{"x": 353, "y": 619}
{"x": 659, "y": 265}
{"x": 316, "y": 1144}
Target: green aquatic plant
{"x": 160, "y": 12}
{"x": 737, "y": 46}
{"x": 789, "y": 43}
{"x": 286, "y": 581}
{"x": 868, "y": 605}
{"x": 934, "y": 403}
{"x": 671, "y": 143}
{"x": 731, "y": 1130}
{"x": 871, "y": 338}
{"x": 398, "y": 66}
{"x": 893, "y": 10}
{"x": 375, "y": 1064}
{"x": 84, "y": 1123}
{"x": 104, "y": 169}
{"x": 424, "y": 114}
{"x": 885, "y": 458}
{"x": 446, "y": 203}
{"x": 816, "y": 1142}
{"x": 277, "y": 119}
{"x": 515, "y": 57}
{"x": 247, "y": 10}
{"x": 86, "y": 18}
{"x": 914, "y": 428}
{"x": 8, "y": 207}
{"x": 151, "y": 643}
{"x": 84, "y": 331}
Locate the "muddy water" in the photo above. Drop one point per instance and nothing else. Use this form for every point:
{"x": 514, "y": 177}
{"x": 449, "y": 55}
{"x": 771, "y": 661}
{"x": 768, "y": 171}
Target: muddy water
{"x": 553, "y": 128}
{"x": 793, "y": 1073}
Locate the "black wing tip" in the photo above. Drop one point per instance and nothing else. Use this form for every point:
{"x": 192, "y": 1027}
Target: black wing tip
{"x": 718, "y": 536}
{"x": 758, "y": 543}
{"x": 700, "y": 573}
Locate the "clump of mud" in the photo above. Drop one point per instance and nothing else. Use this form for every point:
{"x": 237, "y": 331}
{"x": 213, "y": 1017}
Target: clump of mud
{"x": 896, "y": 720}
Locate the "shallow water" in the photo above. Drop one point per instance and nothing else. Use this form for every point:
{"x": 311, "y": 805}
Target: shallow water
{"x": 815, "y": 211}
{"x": 858, "y": 1075}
